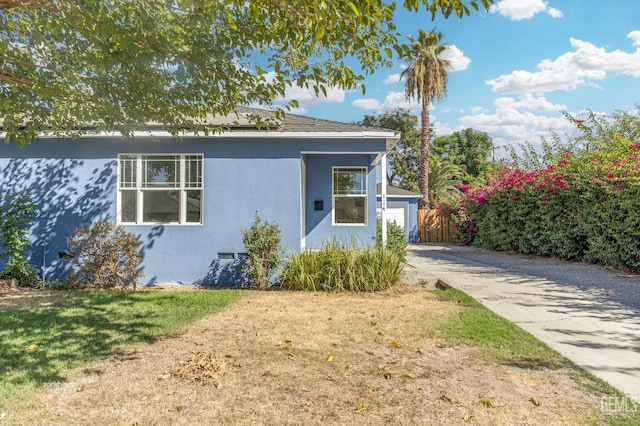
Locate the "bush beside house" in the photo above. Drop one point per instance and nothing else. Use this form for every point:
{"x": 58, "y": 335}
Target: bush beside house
{"x": 583, "y": 205}
{"x": 16, "y": 216}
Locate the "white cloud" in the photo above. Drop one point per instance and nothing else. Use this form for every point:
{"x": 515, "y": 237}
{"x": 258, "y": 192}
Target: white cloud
{"x": 298, "y": 111}
{"x": 515, "y": 121}
{"x": 372, "y": 104}
{"x": 635, "y": 36}
{"x": 517, "y": 10}
{"x": 458, "y": 60}
{"x": 440, "y": 129}
{"x": 393, "y": 101}
{"x": 306, "y": 96}
{"x": 393, "y": 78}
{"x": 527, "y": 102}
{"x": 555, "y": 13}
{"x": 577, "y": 68}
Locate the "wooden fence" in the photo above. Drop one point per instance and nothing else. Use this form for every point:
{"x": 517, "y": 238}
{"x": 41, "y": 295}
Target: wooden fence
{"x": 433, "y": 228}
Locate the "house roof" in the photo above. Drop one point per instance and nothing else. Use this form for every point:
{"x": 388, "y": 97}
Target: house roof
{"x": 396, "y": 191}
{"x": 240, "y": 123}
{"x": 240, "y": 119}
{"x": 292, "y": 122}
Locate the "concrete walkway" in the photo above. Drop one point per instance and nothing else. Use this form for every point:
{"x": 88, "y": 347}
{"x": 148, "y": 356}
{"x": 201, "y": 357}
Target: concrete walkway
{"x": 589, "y": 314}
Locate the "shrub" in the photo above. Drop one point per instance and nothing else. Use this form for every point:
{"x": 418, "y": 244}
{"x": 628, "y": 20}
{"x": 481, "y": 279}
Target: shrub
{"x": 577, "y": 204}
{"x": 262, "y": 242}
{"x": 16, "y": 217}
{"x": 105, "y": 256}
{"x": 336, "y": 267}
{"x": 396, "y": 239}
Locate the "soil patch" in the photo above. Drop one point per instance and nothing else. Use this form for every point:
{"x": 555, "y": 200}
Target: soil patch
{"x": 313, "y": 359}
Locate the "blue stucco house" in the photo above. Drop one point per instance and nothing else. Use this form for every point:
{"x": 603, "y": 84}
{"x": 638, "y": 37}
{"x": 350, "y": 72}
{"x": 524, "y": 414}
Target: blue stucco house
{"x": 189, "y": 198}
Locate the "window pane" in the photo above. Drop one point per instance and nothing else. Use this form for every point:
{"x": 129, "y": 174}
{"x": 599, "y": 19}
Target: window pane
{"x": 350, "y": 182}
{"x": 127, "y": 171}
{"x": 128, "y": 206}
{"x": 194, "y": 206}
{"x": 161, "y": 206}
{"x": 161, "y": 171}
{"x": 349, "y": 210}
{"x": 193, "y": 171}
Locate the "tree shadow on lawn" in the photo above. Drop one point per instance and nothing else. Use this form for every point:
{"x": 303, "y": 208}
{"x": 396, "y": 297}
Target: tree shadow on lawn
{"x": 37, "y": 345}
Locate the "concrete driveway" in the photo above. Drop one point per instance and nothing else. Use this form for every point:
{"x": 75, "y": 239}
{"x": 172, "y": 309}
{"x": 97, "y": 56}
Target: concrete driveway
{"x": 588, "y": 313}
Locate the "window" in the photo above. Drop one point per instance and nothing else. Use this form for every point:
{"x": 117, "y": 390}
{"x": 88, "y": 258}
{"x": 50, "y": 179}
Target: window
{"x": 160, "y": 188}
{"x": 350, "y": 195}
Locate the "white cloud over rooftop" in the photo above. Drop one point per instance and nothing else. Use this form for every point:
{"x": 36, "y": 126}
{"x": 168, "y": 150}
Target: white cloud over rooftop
{"x": 393, "y": 100}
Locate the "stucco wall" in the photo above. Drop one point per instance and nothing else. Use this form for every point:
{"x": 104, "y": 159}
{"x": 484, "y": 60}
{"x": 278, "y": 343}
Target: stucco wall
{"x": 75, "y": 182}
{"x": 319, "y": 224}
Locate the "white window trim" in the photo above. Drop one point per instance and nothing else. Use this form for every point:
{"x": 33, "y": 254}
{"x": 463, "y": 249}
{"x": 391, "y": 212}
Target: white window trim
{"x": 182, "y": 188}
{"x": 365, "y": 196}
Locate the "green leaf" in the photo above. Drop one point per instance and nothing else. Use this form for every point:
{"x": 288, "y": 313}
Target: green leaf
{"x": 354, "y": 9}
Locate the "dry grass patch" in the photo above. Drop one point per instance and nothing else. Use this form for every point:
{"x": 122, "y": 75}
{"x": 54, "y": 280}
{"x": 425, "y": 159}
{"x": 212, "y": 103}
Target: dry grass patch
{"x": 313, "y": 358}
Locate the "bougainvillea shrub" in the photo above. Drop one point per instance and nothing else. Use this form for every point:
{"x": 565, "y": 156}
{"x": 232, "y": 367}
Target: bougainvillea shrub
{"x": 583, "y": 205}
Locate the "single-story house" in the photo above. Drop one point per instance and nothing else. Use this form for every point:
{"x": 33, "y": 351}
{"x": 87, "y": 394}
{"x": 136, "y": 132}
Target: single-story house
{"x": 189, "y": 198}
{"x": 402, "y": 208}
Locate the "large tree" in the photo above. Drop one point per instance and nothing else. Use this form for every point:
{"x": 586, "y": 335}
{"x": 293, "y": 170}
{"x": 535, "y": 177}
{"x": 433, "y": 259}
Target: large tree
{"x": 427, "y": 77}
{"x": 470, "y": 149}
{"x": 111, "y": 64}
{"x": 404, "y": 158}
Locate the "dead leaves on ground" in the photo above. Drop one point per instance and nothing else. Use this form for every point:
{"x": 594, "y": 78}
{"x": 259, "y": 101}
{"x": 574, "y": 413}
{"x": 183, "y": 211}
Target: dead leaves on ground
{"x": 203, "y": 368}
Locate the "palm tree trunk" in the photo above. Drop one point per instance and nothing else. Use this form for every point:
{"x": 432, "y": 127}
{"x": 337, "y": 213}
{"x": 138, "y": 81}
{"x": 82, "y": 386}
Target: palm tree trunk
{"x": 424, "y": 202}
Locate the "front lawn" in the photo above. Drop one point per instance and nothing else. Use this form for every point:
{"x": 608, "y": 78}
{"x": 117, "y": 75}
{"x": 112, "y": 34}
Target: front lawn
{"x": 409, "y": 356}
{"x": 63, "y": 330}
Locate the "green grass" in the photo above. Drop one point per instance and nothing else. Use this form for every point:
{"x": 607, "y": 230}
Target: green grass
{"x": 39, "y": 345}
{"x": 499, "y": 340}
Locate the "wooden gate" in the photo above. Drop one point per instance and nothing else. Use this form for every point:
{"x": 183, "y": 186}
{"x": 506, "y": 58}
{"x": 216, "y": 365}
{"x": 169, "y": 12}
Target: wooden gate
{"x": 433, "y": 228}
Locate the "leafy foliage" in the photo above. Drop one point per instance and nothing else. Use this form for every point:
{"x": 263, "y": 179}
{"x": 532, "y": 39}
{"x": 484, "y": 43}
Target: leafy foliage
{"x": 262, "y": 242}
{"x": 105, "y": 256}
{"x": 578, "y": 205}
{"x": 396, "y": 239}
{"x": 119, "y": 64}
{"x": 16, "y": 217}
{"x": 469, "y": 149}
{"x": 338, "y": 267}
{"x": 444, "y": 179}
{"x": 404, "y": 158}
{"x": 446, "y": 167}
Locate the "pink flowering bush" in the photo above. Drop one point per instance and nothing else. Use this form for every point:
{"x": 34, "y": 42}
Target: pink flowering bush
{"x": 581, "y": 205}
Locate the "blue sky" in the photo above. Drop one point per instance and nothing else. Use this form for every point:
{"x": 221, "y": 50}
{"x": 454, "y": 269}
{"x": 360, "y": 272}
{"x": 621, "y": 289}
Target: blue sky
{"x": 515, "y": 69}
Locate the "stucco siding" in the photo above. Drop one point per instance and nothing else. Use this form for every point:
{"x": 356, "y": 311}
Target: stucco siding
{"x": 76, "y": 182}
{"x": 319, "y": 223}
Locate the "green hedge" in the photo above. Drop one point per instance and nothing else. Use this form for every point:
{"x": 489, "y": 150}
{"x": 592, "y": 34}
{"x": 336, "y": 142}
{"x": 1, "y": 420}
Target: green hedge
{"x": 583, "y": 206}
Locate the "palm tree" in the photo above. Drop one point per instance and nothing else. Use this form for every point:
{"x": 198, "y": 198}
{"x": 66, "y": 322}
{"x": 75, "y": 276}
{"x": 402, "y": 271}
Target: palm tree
{"x": 427, "y": 78}
{"x": 444, "y": 178}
